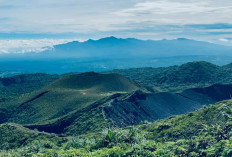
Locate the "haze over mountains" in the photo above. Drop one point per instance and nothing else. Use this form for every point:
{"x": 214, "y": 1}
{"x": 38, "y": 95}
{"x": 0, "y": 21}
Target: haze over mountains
{"x": 132, "y": 47}
{"x": 111, "y": 53}
{"x": 112, "y": 47}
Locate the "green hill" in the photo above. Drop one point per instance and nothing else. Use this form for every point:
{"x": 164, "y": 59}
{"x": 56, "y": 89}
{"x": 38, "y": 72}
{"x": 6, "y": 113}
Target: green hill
{"x": 65, "y": 96}
{"x": 177, "y": 78}
{"x": 95, "y": 82}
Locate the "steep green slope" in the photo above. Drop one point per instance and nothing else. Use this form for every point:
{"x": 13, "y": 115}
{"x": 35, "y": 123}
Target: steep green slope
{"x": 176, "y": 78}
{"x": 87, "y": 120}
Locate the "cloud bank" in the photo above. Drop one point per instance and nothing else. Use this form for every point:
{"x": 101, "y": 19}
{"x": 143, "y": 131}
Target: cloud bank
{"x": 30, "y": 45}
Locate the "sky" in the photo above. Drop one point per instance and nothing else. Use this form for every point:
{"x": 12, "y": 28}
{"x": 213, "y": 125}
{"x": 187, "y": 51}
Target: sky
{"x": 30, "y": 25}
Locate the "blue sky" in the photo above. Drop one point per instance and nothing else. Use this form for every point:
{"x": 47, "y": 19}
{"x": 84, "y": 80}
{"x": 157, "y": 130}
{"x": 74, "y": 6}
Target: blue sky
{"x": 57, "y": 21}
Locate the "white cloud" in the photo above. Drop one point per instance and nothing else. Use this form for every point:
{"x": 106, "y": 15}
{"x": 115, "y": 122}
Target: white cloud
{"x": 179, "y": 12}
{"x": 216, "y": 30}
{"x": 224, "y": 40}
{"x": 166, "y": 7}
{"x": 58, "y": 16}
{"x": 30, "y": 45}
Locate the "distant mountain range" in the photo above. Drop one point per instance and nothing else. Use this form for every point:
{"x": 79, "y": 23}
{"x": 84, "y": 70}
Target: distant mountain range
{"x": 112, "y": 47}
{"x": 111, "y": 53}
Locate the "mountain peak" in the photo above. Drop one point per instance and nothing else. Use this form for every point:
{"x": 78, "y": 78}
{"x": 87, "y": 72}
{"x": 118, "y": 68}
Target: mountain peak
{"x": 98, "y": 82}
{"x": 111, "y": 38}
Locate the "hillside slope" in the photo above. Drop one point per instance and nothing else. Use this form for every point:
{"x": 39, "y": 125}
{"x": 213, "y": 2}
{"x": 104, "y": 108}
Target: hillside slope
{"x": 68, "y": 94}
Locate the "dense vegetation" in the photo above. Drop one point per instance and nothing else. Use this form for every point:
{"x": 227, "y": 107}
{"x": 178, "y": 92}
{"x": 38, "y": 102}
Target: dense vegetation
{"x": 206, "y": 132}
{"x": 176, "y": 78}
{"x": 92, "y": 114}
{"x": 21, "y": 84}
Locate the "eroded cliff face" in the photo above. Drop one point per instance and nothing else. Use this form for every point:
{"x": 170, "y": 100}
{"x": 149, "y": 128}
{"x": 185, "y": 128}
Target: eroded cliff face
{"x": 147, "y": 107}
{"x": 140, "y": 106}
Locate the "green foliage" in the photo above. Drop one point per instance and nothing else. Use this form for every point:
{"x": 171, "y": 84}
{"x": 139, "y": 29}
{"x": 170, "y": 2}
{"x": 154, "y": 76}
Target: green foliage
{"x": 205, "y": 132}
{"x": 112, "y": 137}
{"x": 22, "y": 84}
{"x": 177, "y": 78}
